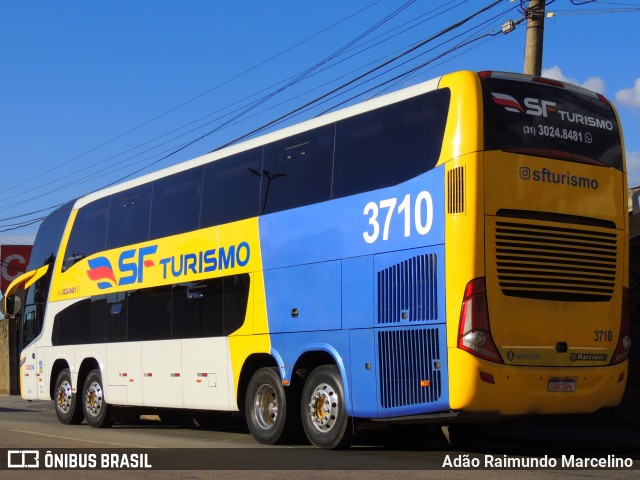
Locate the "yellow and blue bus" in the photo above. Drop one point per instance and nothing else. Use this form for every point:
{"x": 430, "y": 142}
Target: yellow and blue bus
{"x": 451, "y": 251}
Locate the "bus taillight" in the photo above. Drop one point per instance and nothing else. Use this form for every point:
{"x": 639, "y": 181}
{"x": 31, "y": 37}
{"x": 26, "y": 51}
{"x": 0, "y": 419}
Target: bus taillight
{"x": 624, "y": 339}
{"x": 474, "y": 334}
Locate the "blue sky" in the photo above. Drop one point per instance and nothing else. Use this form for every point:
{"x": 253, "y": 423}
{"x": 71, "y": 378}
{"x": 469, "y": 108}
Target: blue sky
{"x": 92, "y": 92}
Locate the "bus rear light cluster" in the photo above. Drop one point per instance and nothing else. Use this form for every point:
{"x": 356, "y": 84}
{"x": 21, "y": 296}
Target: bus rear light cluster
{"x": 474, "y": 333}
{"x": 624, "y": 339}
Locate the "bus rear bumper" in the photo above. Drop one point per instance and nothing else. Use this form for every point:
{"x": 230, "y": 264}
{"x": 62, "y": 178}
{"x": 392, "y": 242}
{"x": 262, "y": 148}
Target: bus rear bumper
{"x": 480, "y": 386}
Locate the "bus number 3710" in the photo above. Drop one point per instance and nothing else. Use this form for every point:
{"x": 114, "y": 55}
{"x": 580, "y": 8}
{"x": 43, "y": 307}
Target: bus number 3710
{"x": 421, "y": 209}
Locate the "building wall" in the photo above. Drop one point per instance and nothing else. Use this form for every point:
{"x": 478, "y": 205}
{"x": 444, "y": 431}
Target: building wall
{"x": 632, "y": 394}
{"x": 4, "y": 358}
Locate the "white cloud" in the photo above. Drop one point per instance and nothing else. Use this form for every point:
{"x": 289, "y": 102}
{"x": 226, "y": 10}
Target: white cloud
{"x": 556, "y": 74}
{"x": 633, "y": 169}
{"x": 592, "y": 83}
{"x": 595, "y": 83}
{"x": 629, "y": 97}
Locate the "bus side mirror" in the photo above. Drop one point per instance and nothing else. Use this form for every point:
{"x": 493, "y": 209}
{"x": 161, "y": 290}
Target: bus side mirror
{"x": 11, "y": 306}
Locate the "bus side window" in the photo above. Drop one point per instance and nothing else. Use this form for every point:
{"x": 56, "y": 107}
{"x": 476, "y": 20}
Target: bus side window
{"x": 98, "y": 319}
{"x": 71, "y": 327}
{"x": 197, "y": 309}
{"x": 89, "y": 232}
{"x": 116, "y": 313}
{"x": 149, "y": 311}
{"x": 391, "y": 145}
{"x": 129, "y": 217}
{"x": 236, "y": 296}
{"x": 176, "y": 204}
{"x": 297, "y": 171}
{"x": 231, "y": 188}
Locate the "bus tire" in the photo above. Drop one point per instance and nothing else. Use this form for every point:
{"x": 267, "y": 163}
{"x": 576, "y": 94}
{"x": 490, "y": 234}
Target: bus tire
{"x": 324, "y": 412}
{"x": 65, "y": 402}
{"x": 96, "y": 409}
{"x": 270, "y": 411}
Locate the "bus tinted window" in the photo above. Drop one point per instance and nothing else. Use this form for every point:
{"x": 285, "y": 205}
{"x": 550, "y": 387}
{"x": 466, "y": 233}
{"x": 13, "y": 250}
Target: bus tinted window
{"x": 89, "y": 232}
{"x": 98, "y": 319}
{"x": 70, "y": 326}
{"x": 296, "y": 171}
{"x": 198, "y": 309}
{"x": 236, "y": 295}
{"x": 391, "y": 145}
{"x": 547, "y": 121}
{"x": 231, "y": 188}
{"x": 149, "y": 314}
{"x": 176, "y": 203}
{"x": 129, "y": 217}
{"x": 116, "y": 313}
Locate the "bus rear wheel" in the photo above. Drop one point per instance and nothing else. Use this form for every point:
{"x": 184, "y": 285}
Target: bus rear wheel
{"x": 270, "y": 411}
{"x": 96, "y": 409}
{"x": 68, "y": 410}
{"x": 324, "y": 413}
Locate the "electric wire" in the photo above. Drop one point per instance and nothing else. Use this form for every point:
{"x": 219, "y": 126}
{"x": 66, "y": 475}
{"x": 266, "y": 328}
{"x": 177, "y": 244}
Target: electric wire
{"x": 293, "y": 80}
{"x": 289, "y": 115}
{"x": 350, "y": 82}
{"x": 231, "y": 121}
{"x": 210, "y": 90}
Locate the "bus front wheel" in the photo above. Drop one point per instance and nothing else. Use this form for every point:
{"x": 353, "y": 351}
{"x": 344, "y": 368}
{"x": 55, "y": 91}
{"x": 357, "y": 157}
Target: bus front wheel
{"x": 324, "y": 413}
{"x": 96, "y": 409}
{"x": 67, "y": 408}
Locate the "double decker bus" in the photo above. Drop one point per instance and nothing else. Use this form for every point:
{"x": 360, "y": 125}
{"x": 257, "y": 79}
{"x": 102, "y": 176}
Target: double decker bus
{"x": 451, "y": 251}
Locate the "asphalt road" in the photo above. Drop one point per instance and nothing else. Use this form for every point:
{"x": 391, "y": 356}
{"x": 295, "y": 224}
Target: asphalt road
{"x": 228, "y": 451}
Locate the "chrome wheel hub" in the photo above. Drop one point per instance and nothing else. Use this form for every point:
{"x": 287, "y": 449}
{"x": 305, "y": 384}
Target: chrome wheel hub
{"x": 323, "y": 407}
{"x": 93, "y": 399}
{"x": 64, "y": 397}
{"x": 265, "y": 406}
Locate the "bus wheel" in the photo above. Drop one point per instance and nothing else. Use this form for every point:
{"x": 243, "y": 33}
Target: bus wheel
{"x": 270, "y": 413}
{"x": 96, "y": 409}
{"x": 324, "y": 413}
{"x": 67, "y": 408}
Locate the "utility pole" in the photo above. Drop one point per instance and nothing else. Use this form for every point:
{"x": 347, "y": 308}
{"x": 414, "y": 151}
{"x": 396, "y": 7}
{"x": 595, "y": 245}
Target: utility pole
{"x": 535, "y": 34}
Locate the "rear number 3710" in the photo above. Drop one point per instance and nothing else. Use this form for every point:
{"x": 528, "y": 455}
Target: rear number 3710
{"x": 417, "y": 215}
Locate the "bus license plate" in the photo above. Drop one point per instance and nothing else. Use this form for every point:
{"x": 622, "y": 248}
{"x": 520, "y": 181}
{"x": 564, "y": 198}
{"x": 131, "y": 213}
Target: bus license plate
{"x": 562, "y": 385}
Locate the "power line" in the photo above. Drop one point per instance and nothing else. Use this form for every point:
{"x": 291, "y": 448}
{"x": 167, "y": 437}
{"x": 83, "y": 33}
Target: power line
{"x": 403, "y": 75}
{"x": 12, "y": 267}
{"x": 593, "y": 11}
{"x": 23, "y": 225}
{"x": 295, "y": 79}
{"x": 307, "y": 73}
{"x": 212, "y": 89}
{"x": 316, "y": 100}
{"x": 308, "y": 104}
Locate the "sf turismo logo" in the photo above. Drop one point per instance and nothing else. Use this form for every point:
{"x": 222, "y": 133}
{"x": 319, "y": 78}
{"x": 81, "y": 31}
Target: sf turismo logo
{"x": 535, "y": 106}
{"x": 134, "y": 263}
{"x": 543, "y": 108}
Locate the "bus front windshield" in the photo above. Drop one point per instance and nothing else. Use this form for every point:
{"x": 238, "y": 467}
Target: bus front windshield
{"x": 44, "y": 253}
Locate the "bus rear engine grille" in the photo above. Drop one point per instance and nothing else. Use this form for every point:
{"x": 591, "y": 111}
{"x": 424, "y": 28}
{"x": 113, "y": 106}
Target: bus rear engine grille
{"x": 409, "y": 367}
{"x": 563, "y": 263}
{"x": 407, "y": 291}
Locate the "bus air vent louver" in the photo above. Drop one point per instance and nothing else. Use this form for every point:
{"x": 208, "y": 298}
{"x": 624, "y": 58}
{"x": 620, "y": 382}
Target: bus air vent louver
{"x": 553, "y": 262}
{"x": 407, "y": 291}
{"x": 409, "y": 374}
{"x": 455, "y": 190}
